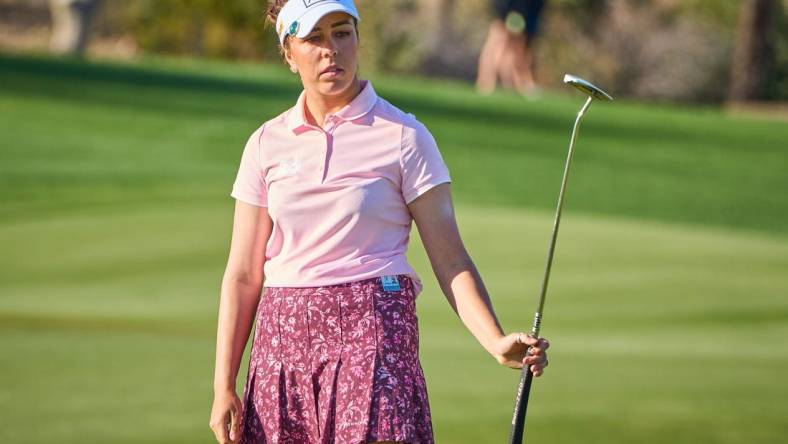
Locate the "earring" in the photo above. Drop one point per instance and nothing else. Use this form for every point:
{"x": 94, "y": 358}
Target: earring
{"x": 293, "y": 69}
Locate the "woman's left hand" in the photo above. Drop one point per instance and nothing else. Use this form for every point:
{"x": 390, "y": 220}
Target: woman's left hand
{"x": 512, "y": 351}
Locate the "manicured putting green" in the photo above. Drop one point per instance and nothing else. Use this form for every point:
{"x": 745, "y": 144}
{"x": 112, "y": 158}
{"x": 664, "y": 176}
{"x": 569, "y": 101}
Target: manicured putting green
{"x": 666, "y": 309}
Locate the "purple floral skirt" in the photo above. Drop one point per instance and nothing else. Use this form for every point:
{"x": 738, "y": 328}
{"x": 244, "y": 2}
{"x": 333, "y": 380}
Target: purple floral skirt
{"x": 336, "y": 364}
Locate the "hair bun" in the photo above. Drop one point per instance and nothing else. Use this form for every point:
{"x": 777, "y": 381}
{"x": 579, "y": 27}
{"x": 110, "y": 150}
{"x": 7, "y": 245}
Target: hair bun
{"x": 274, "y": 6}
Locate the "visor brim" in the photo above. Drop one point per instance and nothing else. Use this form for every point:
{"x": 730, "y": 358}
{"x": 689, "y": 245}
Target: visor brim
{"x": 310, "y": 19}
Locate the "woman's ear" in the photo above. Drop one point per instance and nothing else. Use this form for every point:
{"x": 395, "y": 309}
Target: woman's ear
{"x": 289, "y": 59}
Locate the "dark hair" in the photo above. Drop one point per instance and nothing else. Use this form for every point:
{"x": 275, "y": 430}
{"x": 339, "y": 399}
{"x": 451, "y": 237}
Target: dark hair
{"x": 274, "y": 6}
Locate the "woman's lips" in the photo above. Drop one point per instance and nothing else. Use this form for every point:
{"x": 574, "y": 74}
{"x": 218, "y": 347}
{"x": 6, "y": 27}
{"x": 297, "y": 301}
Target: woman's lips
{"x": 332, "y": 72}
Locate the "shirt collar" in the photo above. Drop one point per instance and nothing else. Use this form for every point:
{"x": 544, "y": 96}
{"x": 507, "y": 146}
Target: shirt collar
{"x": 359, "y": 107}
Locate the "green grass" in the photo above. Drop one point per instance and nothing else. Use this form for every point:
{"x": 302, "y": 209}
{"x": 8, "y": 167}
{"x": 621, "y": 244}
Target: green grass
{"x": 667, "y": 307}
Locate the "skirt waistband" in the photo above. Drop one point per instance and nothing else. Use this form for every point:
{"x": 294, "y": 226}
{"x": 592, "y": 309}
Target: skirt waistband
{"x": 402, "y": 278}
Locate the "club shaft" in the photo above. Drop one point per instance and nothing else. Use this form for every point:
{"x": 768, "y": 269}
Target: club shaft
{"x": 526, "y": 376}
{"x": 554, "y": 237}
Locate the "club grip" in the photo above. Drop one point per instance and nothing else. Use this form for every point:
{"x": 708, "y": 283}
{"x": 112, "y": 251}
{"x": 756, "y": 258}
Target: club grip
{"x": 520, "y": 405}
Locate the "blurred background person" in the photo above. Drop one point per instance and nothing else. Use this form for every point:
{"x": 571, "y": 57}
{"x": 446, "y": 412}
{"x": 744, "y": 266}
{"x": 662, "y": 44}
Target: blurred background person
{"x": 70, "y": 25}
{"x": 508, "y": 51}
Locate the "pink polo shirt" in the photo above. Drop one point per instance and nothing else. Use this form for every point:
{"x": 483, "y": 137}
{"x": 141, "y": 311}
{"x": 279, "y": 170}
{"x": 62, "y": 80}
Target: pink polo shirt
{"x": 337, "y": 196}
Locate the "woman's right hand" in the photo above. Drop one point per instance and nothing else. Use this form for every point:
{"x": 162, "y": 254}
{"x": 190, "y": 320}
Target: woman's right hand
{"x": 226, "y": 417}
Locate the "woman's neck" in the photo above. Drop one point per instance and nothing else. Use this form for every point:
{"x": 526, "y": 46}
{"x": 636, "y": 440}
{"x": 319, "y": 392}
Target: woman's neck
{"x": 318, "y": 106}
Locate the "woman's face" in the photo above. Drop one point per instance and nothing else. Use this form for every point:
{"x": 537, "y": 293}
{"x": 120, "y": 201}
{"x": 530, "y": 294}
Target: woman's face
{"x": 326, "y": 58}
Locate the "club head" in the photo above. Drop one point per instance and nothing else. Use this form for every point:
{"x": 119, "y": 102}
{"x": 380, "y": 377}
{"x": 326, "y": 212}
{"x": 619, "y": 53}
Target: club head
{"x": 587, "y": 87}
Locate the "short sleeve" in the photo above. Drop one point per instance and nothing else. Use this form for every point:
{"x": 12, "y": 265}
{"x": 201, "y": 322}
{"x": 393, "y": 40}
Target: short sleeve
{"x": 421, "y": 162}
{"x": 249, "y": 184}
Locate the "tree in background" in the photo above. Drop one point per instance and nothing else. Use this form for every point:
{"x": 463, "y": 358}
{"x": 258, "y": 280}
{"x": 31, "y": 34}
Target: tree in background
{"x": 70, "y": 25}
{"x": 753, "y": 65}
{"x": 676, "y": 50}
{"x": 671, "y": 50}
{"x": 203, "y": 28}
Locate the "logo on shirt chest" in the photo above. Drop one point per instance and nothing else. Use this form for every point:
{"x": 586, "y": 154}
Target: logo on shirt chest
{"x": 287, "y": 168}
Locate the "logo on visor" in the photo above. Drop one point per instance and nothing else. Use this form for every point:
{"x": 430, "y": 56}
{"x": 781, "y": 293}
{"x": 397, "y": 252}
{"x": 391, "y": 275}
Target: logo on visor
{"x": 310, "y": 3}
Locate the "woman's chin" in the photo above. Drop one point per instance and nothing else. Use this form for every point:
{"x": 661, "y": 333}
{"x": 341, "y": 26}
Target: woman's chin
{"x": 333, "y": 86}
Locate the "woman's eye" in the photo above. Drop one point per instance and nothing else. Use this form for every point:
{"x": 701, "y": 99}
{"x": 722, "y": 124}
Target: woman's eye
{"x": 314, "y": 38}
{"x": 343, "y": 34}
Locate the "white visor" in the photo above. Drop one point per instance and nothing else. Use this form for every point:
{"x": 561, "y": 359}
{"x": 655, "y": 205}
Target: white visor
{"x": 298, "y": 17}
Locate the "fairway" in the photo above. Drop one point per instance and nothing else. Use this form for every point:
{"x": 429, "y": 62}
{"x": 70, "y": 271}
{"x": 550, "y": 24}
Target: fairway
{"x": 667, "y": 307}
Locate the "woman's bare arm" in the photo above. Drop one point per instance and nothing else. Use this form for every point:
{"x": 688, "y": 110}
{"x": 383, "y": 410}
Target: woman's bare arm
{"x": 457, "y": 276}
{"x": 240, "y": 292}
{"x": 462, "y": 285}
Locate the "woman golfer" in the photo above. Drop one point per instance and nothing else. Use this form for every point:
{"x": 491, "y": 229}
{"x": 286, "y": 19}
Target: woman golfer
{"x": 326, "y": 194}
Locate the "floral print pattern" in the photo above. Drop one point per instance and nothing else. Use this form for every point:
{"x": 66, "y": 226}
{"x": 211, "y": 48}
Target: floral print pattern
{"x": 336, "y": 364}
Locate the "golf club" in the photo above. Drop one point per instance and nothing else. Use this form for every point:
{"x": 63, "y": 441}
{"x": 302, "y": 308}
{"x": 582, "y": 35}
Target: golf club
{"x": 526, "y": 377}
